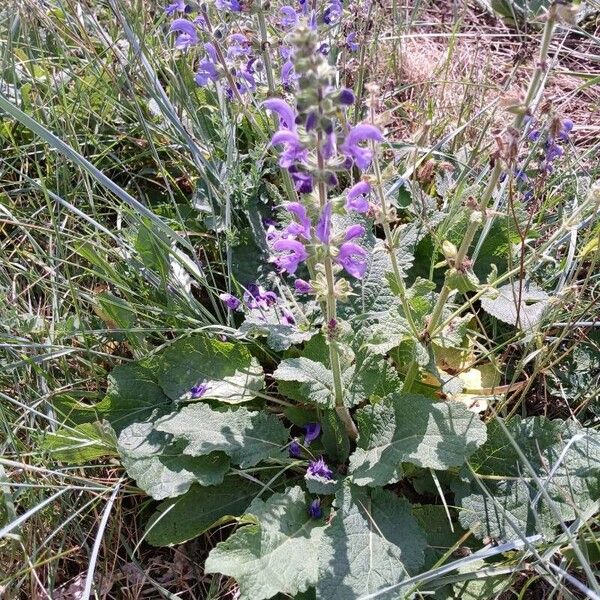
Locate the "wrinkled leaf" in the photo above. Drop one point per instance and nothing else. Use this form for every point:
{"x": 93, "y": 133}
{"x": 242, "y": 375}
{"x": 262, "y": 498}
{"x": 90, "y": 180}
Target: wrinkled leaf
{"x": 373, "y": 542}
{"x": 520, "y": 305}
{"x": 230, "y": 373}
{"x": 80, "y": 444}
{"x": 160, "y": 467}
{"x": 565, "y": 456}
{"x": 411, "y": 428}
{"x": 276, "y": 552}
{"x": 247, "y": 437}
{"x": 133, "y": 395}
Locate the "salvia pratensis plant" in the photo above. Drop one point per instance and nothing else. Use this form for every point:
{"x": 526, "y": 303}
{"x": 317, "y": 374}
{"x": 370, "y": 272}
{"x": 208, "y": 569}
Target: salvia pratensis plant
{"x": 331, "y": 426}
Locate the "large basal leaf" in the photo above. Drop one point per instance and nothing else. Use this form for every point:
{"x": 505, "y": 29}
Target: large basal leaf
{"x": 160, "y": 467}
{"x": 229, "y": 372}
{"x": 247, "y": 437}
{"x": 432, "y": 518}
{"x": 180, "y": 519}
{"x": 518, "y": 303}
{"x": 412, "y": 428}
{"x": 373, "y": 542}
{"x": 133, "y": 395}
{"x": 276, "y": 552}
{"x": 565, "y": 457}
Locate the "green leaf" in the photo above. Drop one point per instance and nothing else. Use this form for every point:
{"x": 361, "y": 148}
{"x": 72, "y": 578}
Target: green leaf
{"x": 517, "y": 304}
{"x": 315, "y": 377}
{"x": 180, "y": 519}
{"x": 564, "y": 455}
{"x": 463, "y": 281}
{"x": 133, "y": 395}
{"x": 81, "y": 444}
{"x": 276, "y": 552}
{"x": 229, "y": 371}
{"x": 373, "y": 542}
{"x": 154, "y": 254}
{"x": 246, "y": 437}
{"x": 321, "y": 486}
{"x": 334, "y": 437}
{"x": 280, "y": 336}
{"x": 392, "y": 327}
{"x": 364, "y": 375}
{"x": 161, "y": 468}
{"x": 412, "y": 428}
{"x": 432, "y": 518}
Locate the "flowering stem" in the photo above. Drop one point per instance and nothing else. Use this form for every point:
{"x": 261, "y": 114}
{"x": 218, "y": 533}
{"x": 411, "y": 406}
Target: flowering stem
{"x": 331, "y": 316}
{"x": 413, "y": 367}
{"x": 229, "y": 77}
{"x": 392, "y": 247}
{"x": 264, "y": 48}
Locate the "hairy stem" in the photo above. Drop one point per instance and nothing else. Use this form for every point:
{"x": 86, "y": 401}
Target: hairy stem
{"x": 264, "y": 48}
{"x": 331, "y": 317}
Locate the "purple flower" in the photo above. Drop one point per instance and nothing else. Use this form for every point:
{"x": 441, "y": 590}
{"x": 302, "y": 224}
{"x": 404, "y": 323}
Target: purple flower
{"x": 187, "y": 33}
{"x": 311, "y": 120}
{"x": 353, "y": 258}
{"x": 287, "y": 117}
{"x": 318, "y": 468}
{"x": 346, "y": 97}
{"x": 294, "y": 150}
{"x": 231, "y": 301}
{"x": 354, "y": 231}
{"x": 351, "y": 42}
{"x": 296, "y": 253}
{"x": 177, "y": 6}
{"x": 324, "y": 48}
{"x": 329, "y": 145}
{"x": 295, "y": 449}
{"x": 301, "y": 228}
{"x": 565, "y": 130}
{"x": 288, "y": 17}
{"x": 323, "y": 229}
{"x": 314, "y": 509}
{"x": 533, "y": 136}
{"x": 302, "y": 287}
{"x": 238, "y": 46}
{"x": 198, "y": 390}
{"x": 361, "y": 156}
{"x": 333, "y": 12}
{"x": 302, "y": 181}
{"x": 246, "y": 82}
{"x": 313, "y": 431}
{"x": 207, "y": 68}
{"x": 356, "y": 200}
{"x": 288, "y": 74}
{"x": 256, "y": 296}
{"x": 553, "y": 152}
{"x": 232, "y": 5}
{"x": 287, "y": 317}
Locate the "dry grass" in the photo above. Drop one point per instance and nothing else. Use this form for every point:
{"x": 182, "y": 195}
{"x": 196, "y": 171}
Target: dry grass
{"x": 456, "y": 67}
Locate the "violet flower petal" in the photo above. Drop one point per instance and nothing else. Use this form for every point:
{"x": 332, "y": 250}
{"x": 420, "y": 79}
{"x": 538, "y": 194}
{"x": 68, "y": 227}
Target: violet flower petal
{"x": 287, "y": 117}
{"x": 313, "y": 431}
{"x": 323, "y": 229}
{"x": 353, "y": 258}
